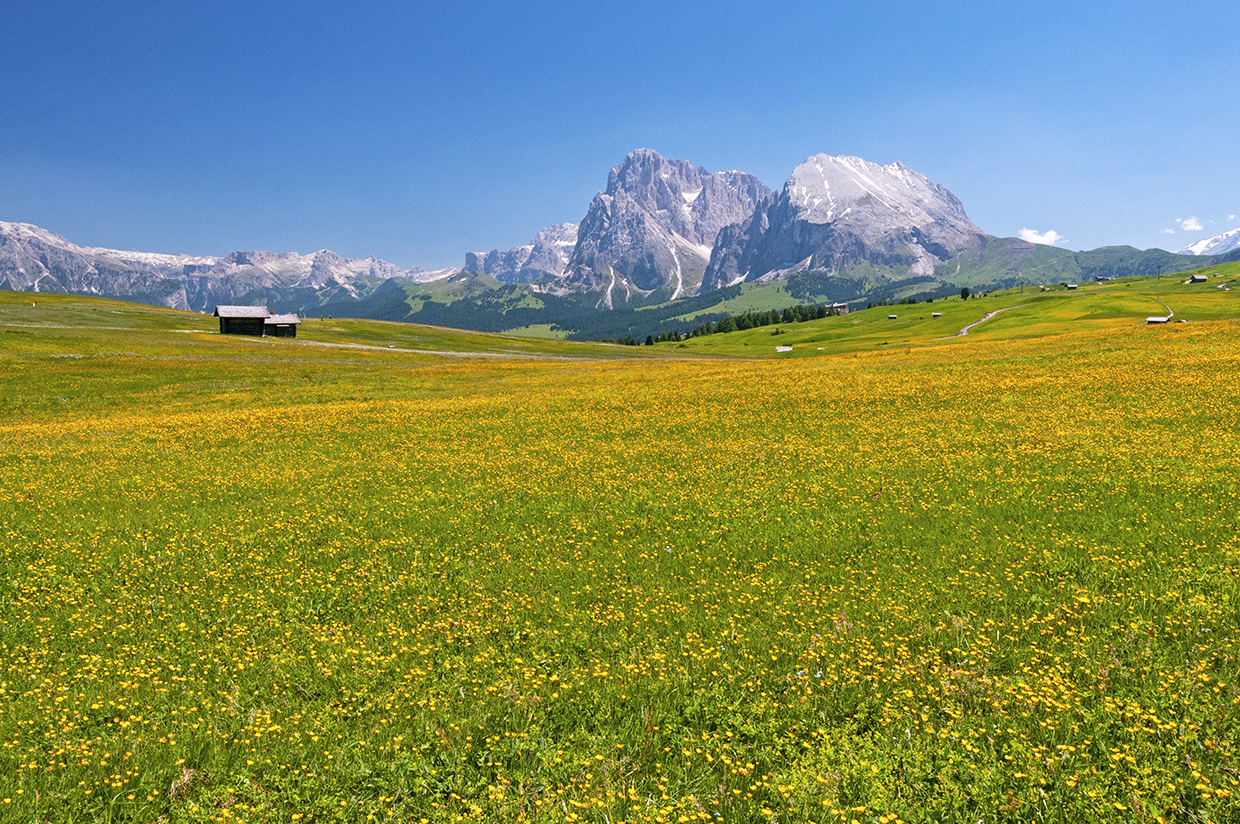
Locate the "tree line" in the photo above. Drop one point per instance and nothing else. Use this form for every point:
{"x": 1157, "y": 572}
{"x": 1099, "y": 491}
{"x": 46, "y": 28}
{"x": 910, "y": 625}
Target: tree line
{"x": 734, "y": 323}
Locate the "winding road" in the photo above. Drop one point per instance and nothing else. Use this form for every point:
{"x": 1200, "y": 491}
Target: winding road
{"x": 989, "y": 315}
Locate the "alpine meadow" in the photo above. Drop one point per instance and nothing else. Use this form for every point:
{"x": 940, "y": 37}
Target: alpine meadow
{"x": 388, "y": 572}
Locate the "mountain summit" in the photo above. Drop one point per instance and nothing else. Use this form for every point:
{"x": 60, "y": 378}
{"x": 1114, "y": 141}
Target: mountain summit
{"x": 834, "y": 212}
{"x": 653, "y": 228}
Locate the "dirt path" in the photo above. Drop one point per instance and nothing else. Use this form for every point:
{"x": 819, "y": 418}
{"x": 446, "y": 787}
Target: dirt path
{"x": 989, "y": 315}
{"x": 1170, "y": 313}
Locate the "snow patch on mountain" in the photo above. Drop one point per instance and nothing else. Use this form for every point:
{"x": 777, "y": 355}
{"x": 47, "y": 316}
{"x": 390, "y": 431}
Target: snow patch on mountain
{"x": 1217, "y": 245}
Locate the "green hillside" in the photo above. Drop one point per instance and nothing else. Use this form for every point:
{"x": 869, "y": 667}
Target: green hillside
{"x": 472, "y": 300}
{"x": 1006, "y": 262}
{"x": 1025, "y": 312}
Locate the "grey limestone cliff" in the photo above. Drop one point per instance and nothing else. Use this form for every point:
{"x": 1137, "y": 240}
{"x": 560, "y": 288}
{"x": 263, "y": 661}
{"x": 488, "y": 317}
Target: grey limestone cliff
{"x": 654, "y": 225}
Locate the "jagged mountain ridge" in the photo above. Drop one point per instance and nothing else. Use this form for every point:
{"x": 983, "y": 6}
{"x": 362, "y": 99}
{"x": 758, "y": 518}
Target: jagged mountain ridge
{"x": 654, "y": 226}
{"x": 37, "y": 260}
{"x": 547, "y": 254}
{"x": 650, "y": 232}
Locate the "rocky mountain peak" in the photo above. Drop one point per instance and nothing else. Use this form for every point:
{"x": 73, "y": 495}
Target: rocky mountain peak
{"x": 257, "y": 259}
{"x": 656, "y": 222}
{"x": 693, "y": 202}
{"x": 835, "y": 212}
{"x": 546, "y": 254}
{"x": 825, "y": 188}
{"x": 560, "y": 233}
{"x": 650, "y": 178}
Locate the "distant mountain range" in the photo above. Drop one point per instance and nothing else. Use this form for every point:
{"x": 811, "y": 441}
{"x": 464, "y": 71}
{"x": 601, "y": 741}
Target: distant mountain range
{"x": 1217, "y": 245}
{"x": 665, "y": 240}
{"x": 666, "y": 229}
{"x": 36, "y": 260}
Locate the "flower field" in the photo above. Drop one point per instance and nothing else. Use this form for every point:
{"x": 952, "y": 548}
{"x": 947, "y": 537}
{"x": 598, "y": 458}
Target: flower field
{"x": 980, "y": 581}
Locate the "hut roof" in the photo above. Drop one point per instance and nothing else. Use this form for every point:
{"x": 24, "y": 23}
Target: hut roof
{"x": 241, "y": 312}
{"x": 281, "y": 319}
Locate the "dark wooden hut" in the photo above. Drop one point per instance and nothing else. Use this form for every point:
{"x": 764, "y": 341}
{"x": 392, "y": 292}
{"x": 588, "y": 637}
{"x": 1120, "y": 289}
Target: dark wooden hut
{"x": 242, "y": 320}
{"x": 281, "y": 326}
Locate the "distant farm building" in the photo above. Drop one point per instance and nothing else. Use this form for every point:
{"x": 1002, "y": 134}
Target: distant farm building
{"x": 1071, "y": 285}
{"x": 1157, "y": 319}
{"x": 1197, "y": 279}
{"x": 256, "y": 321}
{"x": 242, "y": 320}
{"x": 839, "y": 308}
{"x": 281, "y": 326}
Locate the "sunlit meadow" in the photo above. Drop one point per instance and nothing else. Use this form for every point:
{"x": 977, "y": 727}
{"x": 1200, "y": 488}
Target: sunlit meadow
{"x": 976, "y": 581}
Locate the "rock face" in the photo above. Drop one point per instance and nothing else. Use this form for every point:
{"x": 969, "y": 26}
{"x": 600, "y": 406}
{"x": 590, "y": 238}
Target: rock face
{"x": 838, "y": 211}
{"x": 546, "y": 254}
{"x": 36, "y": 260}
{"x": 654, "y": 226}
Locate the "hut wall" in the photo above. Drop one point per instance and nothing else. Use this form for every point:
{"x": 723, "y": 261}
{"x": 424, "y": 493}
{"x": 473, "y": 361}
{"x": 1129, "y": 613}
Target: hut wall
{"x": 241, "y": 326}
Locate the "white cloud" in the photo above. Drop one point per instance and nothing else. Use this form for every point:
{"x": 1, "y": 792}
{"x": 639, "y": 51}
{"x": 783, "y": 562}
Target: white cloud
{"x": 1190, "y": 224}
{"x": 1050, "y": 238}
{"x": 1168, "y": 231}
{"x": 1231, "y": 217}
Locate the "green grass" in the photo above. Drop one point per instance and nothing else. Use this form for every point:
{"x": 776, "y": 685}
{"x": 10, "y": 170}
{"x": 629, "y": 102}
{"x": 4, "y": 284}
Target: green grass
{"x": 1028, "y": 313}
{"x": 985, "y": 578}
{"x": 541, "y": 330}
{"x": 25, "y": 309}
{"x": 754, "y": 297}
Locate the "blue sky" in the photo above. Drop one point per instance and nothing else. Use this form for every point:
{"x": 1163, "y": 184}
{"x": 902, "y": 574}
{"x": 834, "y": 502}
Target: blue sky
{"x": 418, "y": 131}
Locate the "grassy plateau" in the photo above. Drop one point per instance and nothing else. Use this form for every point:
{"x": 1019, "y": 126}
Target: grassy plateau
{"x": 398, "y": 573}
